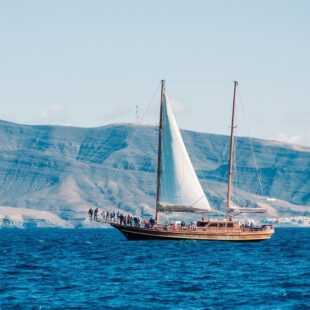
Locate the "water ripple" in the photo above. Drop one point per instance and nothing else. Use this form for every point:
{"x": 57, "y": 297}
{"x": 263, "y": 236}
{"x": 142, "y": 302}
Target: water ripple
{"x": 78, "y": 269}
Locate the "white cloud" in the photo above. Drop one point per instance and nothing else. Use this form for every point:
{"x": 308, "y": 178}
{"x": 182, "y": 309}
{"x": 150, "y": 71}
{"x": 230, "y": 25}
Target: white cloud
{"x": 301, "y": 139}
{"x": 53, "y": 111}
{"x": 298, "y": 125}
{"x": 54, "y": 115}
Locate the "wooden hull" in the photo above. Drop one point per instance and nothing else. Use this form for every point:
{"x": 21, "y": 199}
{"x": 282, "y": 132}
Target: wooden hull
{"x": 135, "y": 233}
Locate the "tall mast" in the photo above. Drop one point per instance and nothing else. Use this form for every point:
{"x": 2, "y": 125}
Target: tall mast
{"x": 159, "y": 148}
{"x": 231, "y": 152}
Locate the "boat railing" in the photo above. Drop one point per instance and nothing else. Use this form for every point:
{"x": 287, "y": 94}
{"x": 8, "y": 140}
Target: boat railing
{"x": 190, "y": 227}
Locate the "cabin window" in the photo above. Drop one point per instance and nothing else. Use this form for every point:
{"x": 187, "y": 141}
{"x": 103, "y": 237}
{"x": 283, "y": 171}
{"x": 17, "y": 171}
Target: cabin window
{"x": 230, "y": 225}
{"x": 213, "y": 225}
{"x": 201, "y": 224}
{"x": 222, "y": 225}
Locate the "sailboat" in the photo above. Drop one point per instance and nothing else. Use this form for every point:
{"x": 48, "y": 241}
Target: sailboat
{"x": 179, "y": 190}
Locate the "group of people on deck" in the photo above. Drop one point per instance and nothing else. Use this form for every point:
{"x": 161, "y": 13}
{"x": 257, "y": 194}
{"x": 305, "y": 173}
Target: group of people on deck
{"x": 135, "y": 221}
{"x": 115, "y": 217}
{"x": 177, "y": 225}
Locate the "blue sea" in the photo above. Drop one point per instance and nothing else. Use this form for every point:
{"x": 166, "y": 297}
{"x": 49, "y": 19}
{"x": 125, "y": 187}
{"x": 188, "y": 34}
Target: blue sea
{"x": 99, "y": 269}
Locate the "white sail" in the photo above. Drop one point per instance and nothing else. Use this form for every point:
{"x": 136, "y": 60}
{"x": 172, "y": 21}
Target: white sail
{"x": 180, "y": 189}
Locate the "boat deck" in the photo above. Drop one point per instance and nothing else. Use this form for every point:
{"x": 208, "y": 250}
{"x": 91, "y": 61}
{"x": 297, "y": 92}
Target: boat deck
{"x": 224, "y": 233}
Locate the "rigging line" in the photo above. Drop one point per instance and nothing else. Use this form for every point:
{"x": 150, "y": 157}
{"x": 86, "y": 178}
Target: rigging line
{"x": 251, "y": 144}
{"x": 132, "y": 139}
{"x": 200, "y": 82}
{"x": 163, "y": 185}
{"x": 235, "y": 174}
{"x": 195, "y": 202}
{"x": 217, "y": 212}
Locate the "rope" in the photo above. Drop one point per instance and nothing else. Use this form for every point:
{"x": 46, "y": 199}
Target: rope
{"x": 251, "y": 145}
{"x": 200, "y": 81}
{"x": 132, "y": 139}
{"x": 234, "y": 168}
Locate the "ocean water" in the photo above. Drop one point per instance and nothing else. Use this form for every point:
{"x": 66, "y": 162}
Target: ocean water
{"x": 99, "y": 269}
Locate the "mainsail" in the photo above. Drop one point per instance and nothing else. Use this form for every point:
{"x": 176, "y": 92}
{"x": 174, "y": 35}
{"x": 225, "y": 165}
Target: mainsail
{"x": 180, "y": 189}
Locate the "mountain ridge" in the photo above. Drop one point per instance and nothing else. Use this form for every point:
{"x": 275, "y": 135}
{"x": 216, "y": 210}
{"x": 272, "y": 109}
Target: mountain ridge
{"x": 67, "y": 169}
{"x": 300, "y": 147}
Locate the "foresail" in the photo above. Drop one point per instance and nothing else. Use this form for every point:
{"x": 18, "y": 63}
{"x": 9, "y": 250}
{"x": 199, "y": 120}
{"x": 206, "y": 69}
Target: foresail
{"x": 180, "y": 189}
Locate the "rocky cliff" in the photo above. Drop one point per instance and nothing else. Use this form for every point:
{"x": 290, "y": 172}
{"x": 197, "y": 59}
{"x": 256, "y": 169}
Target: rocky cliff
{"x": 66, "y": 170}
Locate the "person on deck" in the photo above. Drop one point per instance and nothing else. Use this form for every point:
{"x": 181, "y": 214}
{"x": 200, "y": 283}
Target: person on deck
{"x": 194, "y": 225}
{"x": 151, "y": 222}
{"x": 96, "y": 214}
{"x": 90, "y": 213}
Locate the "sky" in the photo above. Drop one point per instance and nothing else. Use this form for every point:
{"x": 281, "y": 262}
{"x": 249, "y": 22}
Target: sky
{"x": 90, "y": 63}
